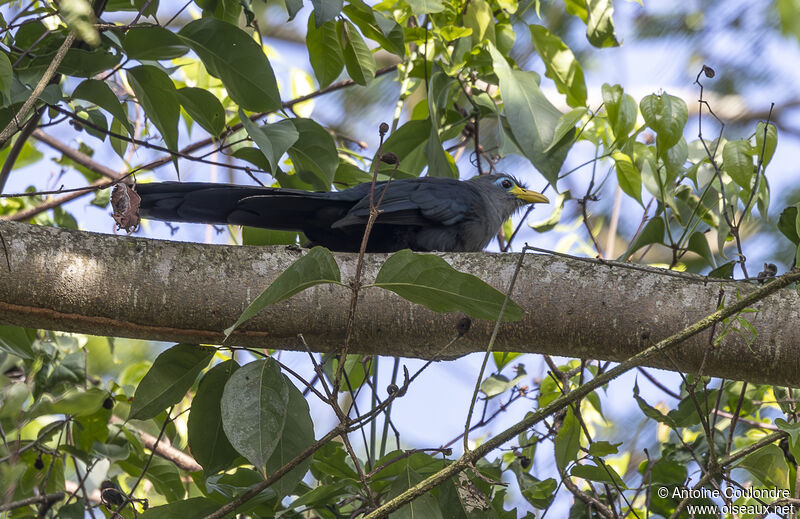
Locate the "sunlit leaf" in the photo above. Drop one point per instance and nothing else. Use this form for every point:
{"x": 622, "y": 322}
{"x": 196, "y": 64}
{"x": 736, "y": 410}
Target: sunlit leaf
{"x": 666, "y": 115}
{"x": 532, "y": 118}
{"x": 766, "y": 142}
{"x": 628, "y": 176}
{"x": 357, "y": 57}
{"x": 567, "y": 440}
{"x": 737, "y": 162}
{"x": 561, "y": 65}
{"x": 600, "y": 23}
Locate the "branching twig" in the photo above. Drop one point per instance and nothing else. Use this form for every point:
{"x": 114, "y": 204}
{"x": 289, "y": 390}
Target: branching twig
{"x": 582, "y": 391}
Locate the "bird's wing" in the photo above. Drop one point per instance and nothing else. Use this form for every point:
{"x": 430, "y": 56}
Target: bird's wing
{"x": 421, "y": 202}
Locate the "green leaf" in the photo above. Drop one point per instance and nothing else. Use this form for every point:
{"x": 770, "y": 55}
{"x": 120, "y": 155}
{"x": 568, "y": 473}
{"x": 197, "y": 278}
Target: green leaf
{"x": 567, "y": 441}
{"x": 538, "y": 493}
{"x": 298, "y": 435}
{"x": 357, "y": 57}
{"x": 292, "y": 7}
{"x": 377, "y": 26}
{"x": 595, "y": 473}
{"x": 357, "y": 369}
{"x": 157, "y": 95}
{"x": 99, "y": 128}
{"x": 650, "y": 411}
{"x": 16, "y": 341}
{"x": 426, "y": 6}
{"x": 207, "y": 440}
{"x": 99, "y": 93}
{"x": 502, "y": 358}
{"x": 314, "y": 154}
{"x": 81, "y": 62}
{"x": 429, "y": 280}
{"x": 6, "y": 75}
{"x": 261, "y": 237}
{"x": 254, "y": 410}
{"x": 75, "y": 402}
{"x": 496, "y": 384}
{"x": 314, "y": 268}
{"x": 738, "y": 162}
{"x": 600, "y": 23}
{"x": 666, "y": 115}
{"x": 561, "y": 65}
{"x": 204, "y": 108}
{"x": 326, "y": 10}
{"x": 603, "y": 448}
{"x": 724, "y": 271}
{"x": 440, "y": 163}
{"x": 577, "y": 8}
{"x": 699, "y": 245}
{"x": 324, "y": 51}
{"x": 153, "y": 43}
{"x": 147, "y": 9}
{"x": 668, "y": 471}
{"x": 628, "y": 176}
{"x": 532, "y": 118}
{"x": 119, "y": 146}
{"x": 766, "y": 142}
{"x": 480, "y": 19}
{"x": 79, "y": 16}
{"x": 768, "y": 465}
{"x": 794, "y": 434}
{"x": 231, "y": 55}
{"x": 652, "y": 233}
{"x": 273, "y": 140}
{"x": 621, "y": 110}
{"x": 423, "y": 506}
{"x": 409, "y": 143}
{"x": 166, "y": 383}
{"x": 555, "y": 217}
{"x": 787, "y": 223}
{"x": 566, "y": 126}
{"x": 192, "y": 507}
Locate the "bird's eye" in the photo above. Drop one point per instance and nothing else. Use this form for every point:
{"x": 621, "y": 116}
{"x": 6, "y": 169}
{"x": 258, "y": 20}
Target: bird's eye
{"x": 506, "y": 183}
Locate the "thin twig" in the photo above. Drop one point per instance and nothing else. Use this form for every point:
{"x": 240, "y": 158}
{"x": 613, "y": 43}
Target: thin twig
{"x": 581, "y": 392}
{"x": 13, "y": 154}
{"x": 490, "y": 347}
{"x": 14, "y": 124}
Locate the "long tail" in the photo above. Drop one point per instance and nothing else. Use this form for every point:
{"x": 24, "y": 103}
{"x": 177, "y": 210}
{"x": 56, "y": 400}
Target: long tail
{"x": 271, "y": 208}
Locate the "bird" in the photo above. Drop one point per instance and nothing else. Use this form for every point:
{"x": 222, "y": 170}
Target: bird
{"x": 421, "y": 214}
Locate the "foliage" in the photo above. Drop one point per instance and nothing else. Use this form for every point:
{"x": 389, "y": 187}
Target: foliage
{"x": 248, "y": 426}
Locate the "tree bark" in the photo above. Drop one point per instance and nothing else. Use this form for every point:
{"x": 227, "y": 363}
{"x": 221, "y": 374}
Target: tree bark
{"x": 187, "y": 292}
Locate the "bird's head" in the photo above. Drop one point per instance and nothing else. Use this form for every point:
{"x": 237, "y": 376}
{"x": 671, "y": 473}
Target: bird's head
{"x": 510, "y": 190}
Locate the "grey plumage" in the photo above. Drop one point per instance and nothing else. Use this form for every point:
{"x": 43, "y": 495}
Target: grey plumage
{"x": 423, "y": 214}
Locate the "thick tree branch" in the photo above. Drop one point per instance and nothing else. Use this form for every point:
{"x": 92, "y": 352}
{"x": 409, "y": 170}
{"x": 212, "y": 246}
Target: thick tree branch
{"x": 152, "y": 289}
